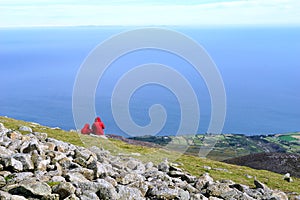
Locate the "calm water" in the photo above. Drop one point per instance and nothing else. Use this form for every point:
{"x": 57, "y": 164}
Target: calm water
{"x": 260, "y": 69}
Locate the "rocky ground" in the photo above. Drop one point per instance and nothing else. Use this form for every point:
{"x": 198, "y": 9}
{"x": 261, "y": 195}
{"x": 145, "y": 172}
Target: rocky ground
{"x": 34, "y": 166}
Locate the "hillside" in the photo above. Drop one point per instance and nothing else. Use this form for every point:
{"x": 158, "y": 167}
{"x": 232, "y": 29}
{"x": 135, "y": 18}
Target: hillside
{"x": 231, "y": 145}
{"x": 195, "y": 166}
{"x": 276, "y": 162}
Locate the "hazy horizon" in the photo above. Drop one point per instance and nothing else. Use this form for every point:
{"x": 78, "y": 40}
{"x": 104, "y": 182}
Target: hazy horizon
{"x": 18, "y": 13}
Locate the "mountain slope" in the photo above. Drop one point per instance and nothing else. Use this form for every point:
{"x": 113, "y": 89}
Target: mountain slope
{"x": 193, "y": 165}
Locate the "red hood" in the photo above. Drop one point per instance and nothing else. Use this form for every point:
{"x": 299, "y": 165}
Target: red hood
{"x": 97, "y": 119}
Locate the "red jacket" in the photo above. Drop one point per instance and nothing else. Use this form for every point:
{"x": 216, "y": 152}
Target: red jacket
{"x": 98, "y": 127}
{"x": 86, "y": 129}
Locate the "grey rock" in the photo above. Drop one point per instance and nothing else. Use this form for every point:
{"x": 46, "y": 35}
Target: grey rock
{"x": 80, "y": 161}
{"x": 217, "y": 189}
{"x": 5, "y": 173}
{"x": 50, "y": 146}
{"x": 140, "y": 185}
{"x": 73, "y": 197}
{"x": 287, "y": 177}
{"x": 14, "y": 135}
{"x": 25, "y": 128}
{"x": 4, "y": 152}
{"x": 2, "y": 181}
{"x": 240, "y": 187}
{"x": 207, "y": 167}
{"x": 214, "y": 198}
{"x": 31, "y": 189}
{"x": 296, "y": 197}
{"x": 203, "y": 180}
{"x": 14, "y": 145}
{"x": 132, "y": 164}
{"x": 111, "y": 181}
{"x": 258, "y": 184}
{"x": 17, "y": 197}
{"x": 3, "y": 129}
{"x": 279, "y": 195}
{"x": 65, "y": 163}
{"x": 15, "y": 165}
{"x": 83, "y": 153}
{"x": 149, "y": 165}
{"x": 64, "y": 189}
{"x": 42, "y": 165}
{"x": 235, "y": 194}
{"x": 88, "y": 195}
{"x": 18, "y": 177}
{"x": 40, "y": 136}
{"x": 75, "y": 177}
{"x": 126, "y": 193}
{"x": 51, "y": 197}
{"x": 184, "y": 195}
{"x": 132, "y": 177}
{"x": 83, "y": 186}
{"x": 5, "y": 195}
{"x": 98, "y": 168}
{"x": 198, "y": 196}
{"x": 164, "y": 193}
{"x": 26, "y": 161}
{"x": 163, "y": 166}
{"x": 29, "y": 146}
{"x": 87, "y": 173}
{"x": 100, "y": 153}
{"x": 58, "y": 179}
{"x": 106, "y": 190}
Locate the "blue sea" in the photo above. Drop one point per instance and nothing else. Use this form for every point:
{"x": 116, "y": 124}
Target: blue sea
{"x": 260, "y": 68}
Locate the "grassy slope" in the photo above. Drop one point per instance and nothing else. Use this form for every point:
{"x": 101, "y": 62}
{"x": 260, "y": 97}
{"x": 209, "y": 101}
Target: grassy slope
{"x": 192, "y": 164}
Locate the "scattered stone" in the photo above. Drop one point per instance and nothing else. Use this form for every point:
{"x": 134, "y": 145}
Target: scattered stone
{"x": 129, "y": 193}
{"x": 279, "y": 195}
{"x": 25, "y": 128}
{"x": 287, "y": 177}
{"x": 164, "y": 166}
{"x": 64, "y": 189}
{"x": 295, "y": 198}
{"x": 203, "y": 181}
{"x": 248, "y": 176}
{"x": 11, "y": 163}
{"x": 2, "y": 181}
{"x": 31, "y": 189}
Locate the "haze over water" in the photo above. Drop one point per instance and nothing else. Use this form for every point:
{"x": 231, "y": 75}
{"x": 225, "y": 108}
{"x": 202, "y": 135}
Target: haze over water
{"x": 260, "y": 68}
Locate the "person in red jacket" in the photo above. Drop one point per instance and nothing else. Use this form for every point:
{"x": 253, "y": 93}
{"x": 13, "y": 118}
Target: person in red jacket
{"x": 86, "y": 129}
{"x": 98, "y": 127}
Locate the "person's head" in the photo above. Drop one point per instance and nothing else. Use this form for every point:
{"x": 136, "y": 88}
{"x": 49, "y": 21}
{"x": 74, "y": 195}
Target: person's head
{"x": 86, "y": 126}
{"x": 97, "y": 119}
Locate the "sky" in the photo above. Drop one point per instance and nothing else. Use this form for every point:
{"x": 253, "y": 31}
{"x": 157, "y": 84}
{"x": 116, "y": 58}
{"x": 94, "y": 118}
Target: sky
{"x": 28, "y": 13}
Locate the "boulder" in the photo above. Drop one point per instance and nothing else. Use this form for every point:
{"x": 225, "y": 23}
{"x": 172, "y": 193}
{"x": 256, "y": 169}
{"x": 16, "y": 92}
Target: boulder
{"x": 106, "y": 190}
{"x": 125, "y": 193}
{"x": 64, "y": 189}
{"x": 203, "y": 181}
{"x": 31, "y": 189}
{"x": 26, "y": 161}
{"x": 25, "y": 128}
{"x": 13, "y": 164}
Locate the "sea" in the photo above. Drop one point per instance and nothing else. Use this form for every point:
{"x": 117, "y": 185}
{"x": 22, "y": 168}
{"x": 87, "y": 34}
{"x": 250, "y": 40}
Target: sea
{"x": 259, "y": 66}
